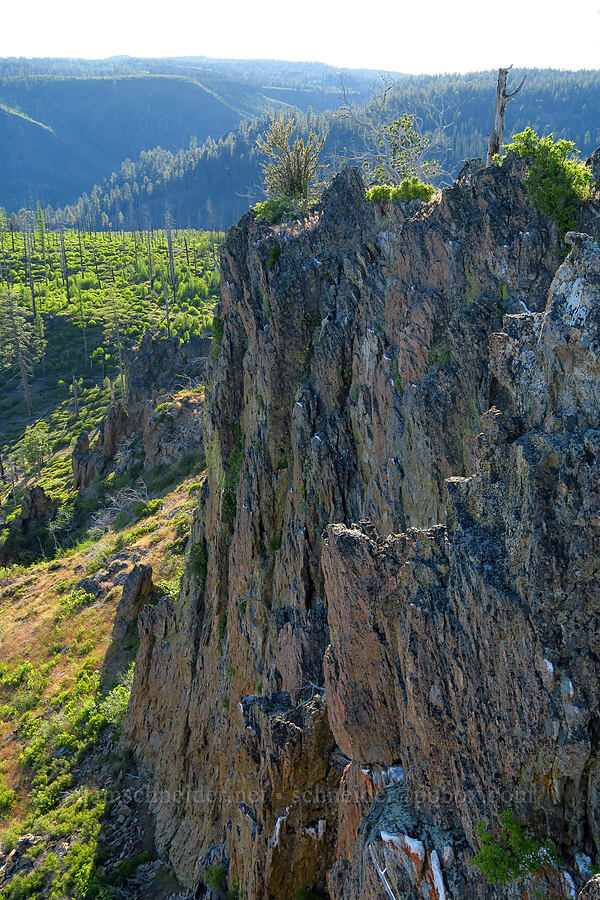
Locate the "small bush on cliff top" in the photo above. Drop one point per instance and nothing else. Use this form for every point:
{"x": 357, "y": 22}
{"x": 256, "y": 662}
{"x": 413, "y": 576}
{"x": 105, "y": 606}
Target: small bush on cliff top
{"x": 556, "y": 181}
{"x": 408, "y": 189}
{"x": 512, "y": 853}
{"x": 289, "y": 170}
{"x": 274, "y": 210}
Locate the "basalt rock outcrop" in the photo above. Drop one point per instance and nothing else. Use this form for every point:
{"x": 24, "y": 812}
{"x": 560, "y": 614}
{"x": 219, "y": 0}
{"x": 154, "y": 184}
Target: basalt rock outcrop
{"x": 151, "y": 426}
{"x": 30, "y": 527}
{"x": 138, "y": 591}
{"x": 36, "y": 506}
{"x": 392, "y": 632}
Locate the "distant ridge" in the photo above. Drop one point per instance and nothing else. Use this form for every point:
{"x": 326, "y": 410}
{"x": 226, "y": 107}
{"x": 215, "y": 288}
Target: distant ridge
{"x": 178, "y": 135}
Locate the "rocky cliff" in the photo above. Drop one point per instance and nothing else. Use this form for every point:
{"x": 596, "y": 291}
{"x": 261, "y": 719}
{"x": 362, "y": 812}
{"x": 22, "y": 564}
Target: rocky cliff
{"x": 389, "y": 633}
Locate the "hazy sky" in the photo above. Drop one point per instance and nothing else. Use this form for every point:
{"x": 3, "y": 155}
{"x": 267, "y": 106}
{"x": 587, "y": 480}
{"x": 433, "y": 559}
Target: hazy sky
{"x": 430, "y": 36}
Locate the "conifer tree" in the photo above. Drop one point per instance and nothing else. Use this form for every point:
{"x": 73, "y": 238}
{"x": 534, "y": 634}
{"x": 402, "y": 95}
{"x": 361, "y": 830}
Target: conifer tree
{"x": 39, "y": 341}
{"x": 82, "y": 323}
{"x": 40, "y": 227}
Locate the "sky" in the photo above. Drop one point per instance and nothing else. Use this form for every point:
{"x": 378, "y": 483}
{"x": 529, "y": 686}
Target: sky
{"x": 391, "y": 35}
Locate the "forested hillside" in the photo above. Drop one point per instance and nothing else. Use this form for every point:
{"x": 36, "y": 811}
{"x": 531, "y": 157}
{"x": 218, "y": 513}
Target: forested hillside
{"x": 80, "y": 301}
{"x": 65, "y": 124}
{"x": 209, "y": 183}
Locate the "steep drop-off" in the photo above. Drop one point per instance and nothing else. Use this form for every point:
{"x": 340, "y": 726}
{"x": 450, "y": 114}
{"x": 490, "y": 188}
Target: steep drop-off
{"x": 329, "y": 700}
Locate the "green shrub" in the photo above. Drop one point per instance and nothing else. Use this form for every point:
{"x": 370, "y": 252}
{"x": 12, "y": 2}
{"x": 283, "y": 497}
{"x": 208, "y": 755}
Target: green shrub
{"x": 7, "y": 799}
{"x": 273, "y": 257}
{"x": 275, "y": 542}
{"x": 234, "y": 467}
{"x": 141, "y": 510}
{"x": 10, "y": 836}
{"x": 197, "y": 561}
{"x": 171, "y": 587}
{"x": 16, "y": 676}
{"x": 136, "y": 533}
{"x": 413, "y": 189}
{"x": 512, "y": 853}
{"x": 32, "y": 884}
{"x": 266, "y": 309}
{"x": 124, "y": 870}
{"x": 216, "y": 877}
{"x": 441, "y": 354}
{"x": 380, "y": 193}
{"x": 274, "y": 210}
{"x": 556, "y": 181}
{"x": 408, "y": 189}
{"x": 222, "y": 626}
{"x": 161, "y": 477}
{"x": 217, "y": 336}
{"x": 113, "y": 706}
{"x": 73, "y": 602}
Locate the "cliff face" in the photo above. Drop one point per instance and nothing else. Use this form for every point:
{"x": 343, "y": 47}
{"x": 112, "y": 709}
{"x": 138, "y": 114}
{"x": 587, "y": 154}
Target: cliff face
{"x": 329, "y": 700}
{"x": 483, "y": 633}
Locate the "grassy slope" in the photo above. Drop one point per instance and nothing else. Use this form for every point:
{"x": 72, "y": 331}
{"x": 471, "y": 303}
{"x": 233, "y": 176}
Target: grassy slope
{"x": 64, "y": 686}
{"x": 64, "y": 682}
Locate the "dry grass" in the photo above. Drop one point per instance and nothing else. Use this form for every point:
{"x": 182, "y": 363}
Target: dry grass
{"x": 30, "y": 606}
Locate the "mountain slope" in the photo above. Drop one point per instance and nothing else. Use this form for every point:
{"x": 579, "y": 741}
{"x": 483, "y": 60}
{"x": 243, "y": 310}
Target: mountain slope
{"x": 88, "y": 126}
{"x": 65, "y": 123}
{"x": 226, "y": 171}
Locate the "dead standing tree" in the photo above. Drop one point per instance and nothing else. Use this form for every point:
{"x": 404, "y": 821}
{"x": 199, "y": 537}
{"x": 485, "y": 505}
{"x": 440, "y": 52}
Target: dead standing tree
{"x": 502, "y": 98}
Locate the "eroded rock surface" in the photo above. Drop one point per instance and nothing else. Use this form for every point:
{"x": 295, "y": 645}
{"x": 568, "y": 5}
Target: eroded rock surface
{"x": 457, "y": 656}
{"x": 481, "y": 634}
{"x": 138, "y": 591}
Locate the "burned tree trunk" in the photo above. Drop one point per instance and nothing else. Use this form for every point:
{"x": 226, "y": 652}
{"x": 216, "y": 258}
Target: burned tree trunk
{"x": 502, "y": 98}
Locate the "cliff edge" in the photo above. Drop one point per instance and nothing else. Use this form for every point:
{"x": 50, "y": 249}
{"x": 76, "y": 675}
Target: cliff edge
{"x": 388, "y": 629}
